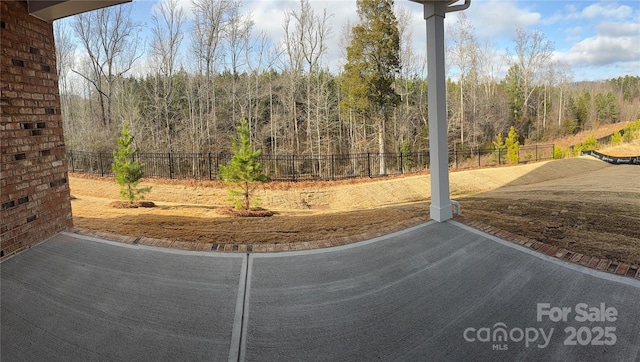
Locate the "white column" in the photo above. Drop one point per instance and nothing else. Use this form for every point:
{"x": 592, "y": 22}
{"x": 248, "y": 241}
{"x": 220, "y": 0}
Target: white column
{"x": 434, "y": 13}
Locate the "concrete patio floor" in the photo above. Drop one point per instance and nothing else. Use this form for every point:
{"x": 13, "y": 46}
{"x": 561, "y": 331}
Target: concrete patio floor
{"x": 438, "y": 291}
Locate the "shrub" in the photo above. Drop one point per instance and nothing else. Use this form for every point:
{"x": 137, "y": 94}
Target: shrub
{"x": 631, "y": 131}
{"x": 559, "y": 152}
{"x": 616, "y": 138}
{"x": 589, "y": 144}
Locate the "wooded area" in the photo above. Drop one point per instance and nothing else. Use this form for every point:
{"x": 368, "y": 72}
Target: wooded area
{"x": 293, "y": 102}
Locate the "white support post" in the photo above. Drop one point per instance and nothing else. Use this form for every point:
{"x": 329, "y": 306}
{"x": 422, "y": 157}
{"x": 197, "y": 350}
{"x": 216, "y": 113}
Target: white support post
{"x": 434, "y": 13}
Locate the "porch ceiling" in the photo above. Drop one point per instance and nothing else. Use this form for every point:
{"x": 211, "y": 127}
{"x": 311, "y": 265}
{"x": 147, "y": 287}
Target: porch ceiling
{"x": 50, "y": 10}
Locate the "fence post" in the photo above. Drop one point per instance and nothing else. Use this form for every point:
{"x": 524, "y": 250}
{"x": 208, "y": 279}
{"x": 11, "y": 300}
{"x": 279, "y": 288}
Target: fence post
{"x": 73, "y": 167}
{"x": 333, "y": 168}
{"x": 101, "y": 166}
{"x": 499, "y": 155}
{"x": 210, "y": 170}
{"x": 536, "y": 153}
{"x": 170, "y": 166}
{"x": 217, "y": 164}
{"x": 293, "y": 167}
{"x": 369, "y": 164}
{"x": 401, "y": 164}
{"x": 479, "y": 155}
{"x": 553, "y": 151}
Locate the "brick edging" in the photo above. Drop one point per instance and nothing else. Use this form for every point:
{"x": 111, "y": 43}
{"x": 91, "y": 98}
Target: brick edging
{"x": 251, "y": 248}
{"x": 605, "y": 265}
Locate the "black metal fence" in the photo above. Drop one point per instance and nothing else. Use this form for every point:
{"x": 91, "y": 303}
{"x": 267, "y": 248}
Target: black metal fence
{"x": 302, "y": 167}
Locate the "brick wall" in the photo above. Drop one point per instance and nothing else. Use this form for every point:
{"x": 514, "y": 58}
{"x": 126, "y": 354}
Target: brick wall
{"x": 35, "y": 195}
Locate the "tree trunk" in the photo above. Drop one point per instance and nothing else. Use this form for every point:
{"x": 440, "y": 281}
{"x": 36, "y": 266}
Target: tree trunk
{"x": 381, "y": 137}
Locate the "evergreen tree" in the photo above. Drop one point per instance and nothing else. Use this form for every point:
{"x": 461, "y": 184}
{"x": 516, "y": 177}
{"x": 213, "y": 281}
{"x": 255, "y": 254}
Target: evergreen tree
{"x": 407, "y": 156}
{"x": 513, "y": 86}
{"x": 373, "y": 61}
{"x": 499, "y": 145}
{"x": 512, "y": 144}
{"x": 243, "y": 170}
{"x": 580, "y": 109}
{"x": 606, "y": 107}
{"x": 128, "y": 171}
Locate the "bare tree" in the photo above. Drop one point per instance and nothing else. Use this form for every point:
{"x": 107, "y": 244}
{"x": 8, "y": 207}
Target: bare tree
{"x": 292, "y": 66}
{"x": 237, "y": 38}
{"x": 314, "y": 31}
{"x": 65, "y": 51}
{"x": 464, "y": 55}
{"x": 532, "y": 55}
{"x": 406, "y": 118}
{"x": 207, "y": 36}
{"x": 111, "y": 42}
{"x": 167, "y": 21}
{"x": 260, "y": 57}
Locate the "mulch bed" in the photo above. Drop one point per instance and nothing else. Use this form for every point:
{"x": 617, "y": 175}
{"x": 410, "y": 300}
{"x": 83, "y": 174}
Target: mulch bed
{"x": 129, "y": 205}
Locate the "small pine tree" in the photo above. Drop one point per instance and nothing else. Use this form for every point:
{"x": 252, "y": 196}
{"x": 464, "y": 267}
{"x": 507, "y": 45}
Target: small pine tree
{"x": 513, "y": 145}
{"x": 498, "y": 144}
{"x": 243, "y": 170}
{"x": 407, "y": 156}
{"x": 128, "y": 171}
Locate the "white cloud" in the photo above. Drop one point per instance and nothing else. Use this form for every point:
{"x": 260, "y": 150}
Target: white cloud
{"x": 606, "y": 10}
{"x": 602, "y": 51}
{"x": 496, "y": 18}
{"x": 269, "y": 16}
{"x": 574, "y": 32}
{"x": 618, "y": 29}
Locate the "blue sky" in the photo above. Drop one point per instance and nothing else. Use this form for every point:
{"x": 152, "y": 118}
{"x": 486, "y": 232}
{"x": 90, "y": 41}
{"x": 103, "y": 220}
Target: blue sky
{"x": 597, "y": 39}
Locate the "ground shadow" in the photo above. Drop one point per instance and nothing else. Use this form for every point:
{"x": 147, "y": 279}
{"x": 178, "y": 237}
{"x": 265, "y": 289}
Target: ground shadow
{"x": 583, "y": 205}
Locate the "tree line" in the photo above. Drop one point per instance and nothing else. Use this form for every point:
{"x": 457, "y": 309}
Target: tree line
{"x": 191, "y": 98}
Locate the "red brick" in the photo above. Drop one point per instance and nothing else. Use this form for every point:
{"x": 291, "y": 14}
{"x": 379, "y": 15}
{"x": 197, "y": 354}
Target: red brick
{"x": 576, "y": 258}
{"x": 552, "y": 251}
{"x": 585, "y": 260}
{"x": 594, "y": 262}
{"x": 537, "y": 245}
{"x": 622, "y": 269}
{"x": 544, "y": 248}
{"x": 26, "y": 177}
{"x": 561, "y": 253}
